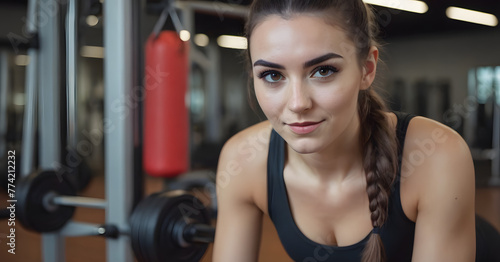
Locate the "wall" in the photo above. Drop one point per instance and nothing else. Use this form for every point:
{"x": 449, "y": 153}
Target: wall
{"x": 440, "y": 57}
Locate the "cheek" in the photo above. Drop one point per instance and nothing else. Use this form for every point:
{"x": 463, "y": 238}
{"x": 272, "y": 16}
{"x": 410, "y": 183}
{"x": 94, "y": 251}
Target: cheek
{"x": 343, "y": 97}
{"x": 267, "y": 102}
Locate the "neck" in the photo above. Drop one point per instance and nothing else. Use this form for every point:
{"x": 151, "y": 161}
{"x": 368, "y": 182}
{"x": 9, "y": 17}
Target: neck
{"x": 341, "y": 160}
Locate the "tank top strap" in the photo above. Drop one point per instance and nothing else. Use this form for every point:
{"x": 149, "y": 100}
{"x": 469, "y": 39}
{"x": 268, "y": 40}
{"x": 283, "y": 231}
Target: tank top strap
{"x": 275, "y": 165}
{"x": 401, "y": 128}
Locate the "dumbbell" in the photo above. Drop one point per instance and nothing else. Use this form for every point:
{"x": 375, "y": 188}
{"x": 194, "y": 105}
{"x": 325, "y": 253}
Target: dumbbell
{"x": 166, "y": 226}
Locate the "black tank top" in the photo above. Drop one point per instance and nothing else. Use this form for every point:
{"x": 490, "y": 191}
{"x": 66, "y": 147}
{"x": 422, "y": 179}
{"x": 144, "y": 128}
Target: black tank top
{"x": 397, "y": 233}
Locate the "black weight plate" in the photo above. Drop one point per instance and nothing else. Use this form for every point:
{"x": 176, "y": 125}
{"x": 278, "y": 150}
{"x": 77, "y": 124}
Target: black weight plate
{"x": 135, "y": 227}
{"x": 148, "y": 230}
{"x": 79, "y": 176}
{"x": 151, "y": 231}
{"x": 179, "y": 211}
{"x": 152, "y": 225}
{"x": 135, "y": 224}
{"x": 138, "y": 223}
{"x": 197, "y": 185}
{"x": 30, "y": 194}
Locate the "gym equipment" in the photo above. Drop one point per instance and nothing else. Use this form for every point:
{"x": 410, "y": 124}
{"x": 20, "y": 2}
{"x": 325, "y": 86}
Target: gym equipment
{"x": 198, "y": 182}
{"x": 120, "y": 69}
{"x": 9, "y": 138}
{"x": 432, "y": 98}
{"x": 56, "y": 193}
{"x": 43, "y": 92}
{"x": 166, "y": 226}
{"x": 35, "y": 208}
{"x": 166, "y": 120}
{"x": 4, "y": 91}
{"x": 170, "y": 226}
{"x": 32, "y": 80}
{"x": 81, "y": 174}
{"x": 481, "y": 112}
{"x": 46, "y": 201}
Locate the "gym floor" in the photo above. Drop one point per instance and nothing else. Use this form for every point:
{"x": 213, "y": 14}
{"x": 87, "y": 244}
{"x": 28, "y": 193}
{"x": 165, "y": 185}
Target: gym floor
{"x": 82, "y": 249}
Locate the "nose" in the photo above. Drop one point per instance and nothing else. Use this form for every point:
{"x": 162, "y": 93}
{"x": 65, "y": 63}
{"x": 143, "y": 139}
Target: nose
{"x": 299, "y": 99}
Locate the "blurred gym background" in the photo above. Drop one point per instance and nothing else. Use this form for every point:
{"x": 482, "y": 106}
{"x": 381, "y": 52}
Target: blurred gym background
{"x": 433, "y": 65}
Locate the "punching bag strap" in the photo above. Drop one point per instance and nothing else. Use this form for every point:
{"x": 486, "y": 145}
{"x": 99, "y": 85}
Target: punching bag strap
{"x": 169, "y": 10}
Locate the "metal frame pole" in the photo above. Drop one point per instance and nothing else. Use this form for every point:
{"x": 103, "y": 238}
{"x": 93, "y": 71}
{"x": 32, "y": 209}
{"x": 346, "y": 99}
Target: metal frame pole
{"x": 187, "y": 16}
{"x": 72, "y": 69}
{"x": 29, "y": 119}
{"x": 4, "y": 86}
{"x": 495, "y": 161}
{"x": 214, "y": 125}
{"x": 471, "y": 120}
{"x": 118, "y": 125}
{"x": 53, "y": 244}
{"x": 217, "y": 8}
{"x": 50, "y": 84}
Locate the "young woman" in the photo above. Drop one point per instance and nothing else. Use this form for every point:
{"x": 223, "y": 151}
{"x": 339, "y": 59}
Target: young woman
{"x": 341, "y": 178}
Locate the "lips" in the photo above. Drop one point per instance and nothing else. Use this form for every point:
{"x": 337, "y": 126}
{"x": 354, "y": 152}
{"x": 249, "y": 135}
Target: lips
{"x": 303, "y": 128}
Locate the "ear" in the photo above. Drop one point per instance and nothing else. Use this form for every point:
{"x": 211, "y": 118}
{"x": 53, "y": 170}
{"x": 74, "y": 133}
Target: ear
{"x": 369, "y": 68}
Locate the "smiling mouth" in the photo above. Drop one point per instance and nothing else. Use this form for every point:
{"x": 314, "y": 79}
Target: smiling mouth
{"x": 303, "y": 128}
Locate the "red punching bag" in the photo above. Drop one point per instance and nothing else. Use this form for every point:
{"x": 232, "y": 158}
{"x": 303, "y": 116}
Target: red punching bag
{"x": 166, "y": 119}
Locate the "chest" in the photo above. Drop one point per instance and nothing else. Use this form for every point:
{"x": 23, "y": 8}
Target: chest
{"x": 329, "y": 213}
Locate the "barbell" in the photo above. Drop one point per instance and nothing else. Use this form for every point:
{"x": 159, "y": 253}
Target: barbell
{"x": 166, "y": 226}
{"x": 34, "y": 207}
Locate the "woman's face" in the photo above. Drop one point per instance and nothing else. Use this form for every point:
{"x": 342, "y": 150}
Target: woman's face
{"x": 307, "y": 78}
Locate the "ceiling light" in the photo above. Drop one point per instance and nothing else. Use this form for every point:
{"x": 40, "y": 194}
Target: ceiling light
{"x": 92, "y": 51}
{"x": 185, "y": 35}
{"x": 405, "y": 5}
{"x": 201, "y": 40}
{"x": 471, "y": 16}
{"x": 92, "y": 20}
{"x": 231, "y": 41}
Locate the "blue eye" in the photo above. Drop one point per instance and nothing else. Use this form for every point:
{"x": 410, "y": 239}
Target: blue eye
{"x": 271, "y": 76}
{"x": 324, "y": 71}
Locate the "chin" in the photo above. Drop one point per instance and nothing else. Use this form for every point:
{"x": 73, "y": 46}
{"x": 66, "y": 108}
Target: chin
{"x": 305, "y": 146}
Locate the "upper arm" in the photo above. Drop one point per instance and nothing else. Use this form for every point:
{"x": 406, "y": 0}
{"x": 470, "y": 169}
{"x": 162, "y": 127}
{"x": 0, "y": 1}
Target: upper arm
{"x": 239, "y": 220}
{"x": 445, "y": 227}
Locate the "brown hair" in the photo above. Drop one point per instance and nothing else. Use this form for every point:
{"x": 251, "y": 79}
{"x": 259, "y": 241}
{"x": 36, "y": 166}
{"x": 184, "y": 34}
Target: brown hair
{"x": 377, "y": 137}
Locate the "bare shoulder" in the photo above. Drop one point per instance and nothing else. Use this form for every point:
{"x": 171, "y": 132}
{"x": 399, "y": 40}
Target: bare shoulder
{"x": 437, "y": 190}
{"x": 430, "y": 144}
{"x": 242, "y": 163}
{"x": 248, "y": 144}
{"x": 437, "y": 160}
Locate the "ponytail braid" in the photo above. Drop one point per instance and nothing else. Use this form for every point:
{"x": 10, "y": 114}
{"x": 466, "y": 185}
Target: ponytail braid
{"x": 379, "y": 163}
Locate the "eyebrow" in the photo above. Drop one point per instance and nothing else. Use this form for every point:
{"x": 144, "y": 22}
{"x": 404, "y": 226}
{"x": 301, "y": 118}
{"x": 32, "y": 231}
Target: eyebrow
{"x": 261, "y": 62}
{"x": 309, "y": 63}
{"x": 321, "y": 59}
